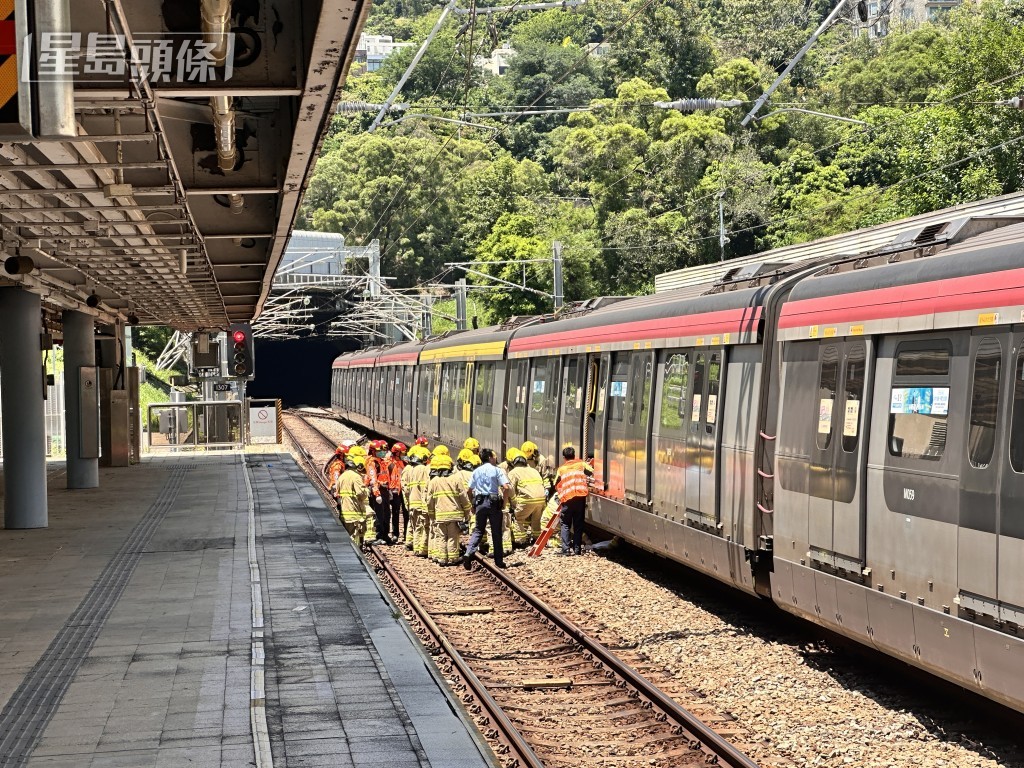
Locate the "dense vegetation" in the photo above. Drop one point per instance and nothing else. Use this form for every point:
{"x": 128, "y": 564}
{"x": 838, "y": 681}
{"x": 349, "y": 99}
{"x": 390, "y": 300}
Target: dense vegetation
{"x": 632, "y": 190}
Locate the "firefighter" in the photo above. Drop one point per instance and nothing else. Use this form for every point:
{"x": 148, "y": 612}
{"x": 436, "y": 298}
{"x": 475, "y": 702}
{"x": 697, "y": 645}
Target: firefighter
{"x": 573, "y": 485}
{"x": 448, "y": 505}
{"x": 334, "y": 467}
{"x": 379, "y": 492}
{"x": 466, "y": 463}
{"x": 418, "y": 502}
{"x": 399, "y": 512}
{"x": 409, "y": 489}
{"x": 359, "y": 452}
{"x": 527, "y": 498}
{"x": 350, "y": 488}
{"x": 472, "y": 445}
{"x": 538, "y": 461}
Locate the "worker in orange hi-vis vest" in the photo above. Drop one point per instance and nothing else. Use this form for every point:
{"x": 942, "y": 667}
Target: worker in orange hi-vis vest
{"x": 399, "y": 512}
{"x": 334, "y": 467}
{"x": 379, "y": 492}
{"x": 572, "y": 483}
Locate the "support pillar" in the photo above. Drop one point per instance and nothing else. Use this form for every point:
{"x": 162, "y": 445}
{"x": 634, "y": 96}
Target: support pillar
{"x": 24, "y": 427}
{"x": 82, "y": 443}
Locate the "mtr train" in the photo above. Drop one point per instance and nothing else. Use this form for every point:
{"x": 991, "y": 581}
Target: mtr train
{"x": 843, "y": 436}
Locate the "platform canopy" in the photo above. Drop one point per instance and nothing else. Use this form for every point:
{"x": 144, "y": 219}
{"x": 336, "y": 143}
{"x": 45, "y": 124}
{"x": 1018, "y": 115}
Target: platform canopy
{"x": 170, "y": 190}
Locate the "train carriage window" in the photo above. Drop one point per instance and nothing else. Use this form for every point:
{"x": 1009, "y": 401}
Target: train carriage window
{"x": 828, "y": 380}
{"x": 714, "y": 381}
{"x": 697, "y": 395}
{"x": 911, "y": 361}
{"x": 1017, "y": 417}
{"x": 618, "y": 388}
{"x": 426, "y": 388}
{"x": 539, "y": 386}
{"x": 981, "y": 437}
{"x": 484, "y": 393}
{"x": 573, "y": 391}
{"x": 919, "y": 401}
{"x": 673, "y": 391}
{"x": 460, "y": 391}
{"x": 854, "y": 388}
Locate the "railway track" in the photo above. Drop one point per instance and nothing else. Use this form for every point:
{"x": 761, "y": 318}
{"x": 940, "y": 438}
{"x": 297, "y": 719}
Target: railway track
{"x": 542, "y": 691}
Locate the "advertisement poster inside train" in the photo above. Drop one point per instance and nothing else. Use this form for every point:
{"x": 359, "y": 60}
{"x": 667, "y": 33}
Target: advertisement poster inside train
{"x": 927, "y": 400}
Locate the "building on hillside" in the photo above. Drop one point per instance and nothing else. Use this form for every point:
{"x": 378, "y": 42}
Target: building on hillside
{"x": 882, "y": 14}
{"x": 373, "y": 49}
{"x": 497, "y": 63}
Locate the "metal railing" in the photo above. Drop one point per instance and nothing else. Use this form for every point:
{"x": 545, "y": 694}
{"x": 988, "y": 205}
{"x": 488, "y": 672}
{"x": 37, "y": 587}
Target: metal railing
{"x": 197, "y": 424}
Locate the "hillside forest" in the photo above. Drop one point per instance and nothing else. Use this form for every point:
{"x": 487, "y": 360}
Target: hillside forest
{"x": 632, "y": 190}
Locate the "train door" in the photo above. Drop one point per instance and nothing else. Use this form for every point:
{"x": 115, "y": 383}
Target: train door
{"x": 977, "y": 543}
{"x": 1011, "y": 518}
{"x": 638, "y": 427}
{"x": 601, "y": 422}
{"x": 701, "y": 484}
{"x": 836, "y": 502}
{"x": 467, "y": 400}
{"x": 572, "y": 410}
{"x": 517, "y": 398}
{"x": 594, "y": 404}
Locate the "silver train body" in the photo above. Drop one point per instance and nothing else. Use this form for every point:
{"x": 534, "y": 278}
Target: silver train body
{"x": 845, "y": 438}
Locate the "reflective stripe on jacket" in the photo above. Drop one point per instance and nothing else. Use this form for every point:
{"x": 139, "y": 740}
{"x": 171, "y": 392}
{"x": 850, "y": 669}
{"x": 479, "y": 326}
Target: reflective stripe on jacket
{"x": 351, "y": 491}
{"x": 418, "y": 479}
{"x": 376, "y": 472}
{"x": 527, "y": 485}
{"x": 571, "y": 480}
{"x": 395, "y": 467}
{"x": 448, "y": 501}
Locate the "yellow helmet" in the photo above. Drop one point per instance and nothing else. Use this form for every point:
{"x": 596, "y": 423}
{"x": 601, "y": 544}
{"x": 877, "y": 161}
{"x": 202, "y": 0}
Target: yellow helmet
{"x": 474, "y": 460}
{"x": 512, "y": 454}
{"x": 359, "y": 461}
{"x": 472, "y": 444}
{"x": 530, "y": 450}
{"x": 419, "y": 453}
{"x": 465, "y": 456}
{"x": 441, "y": 461}
{"x": 357, "y": 450}
{"x": 441, "y": 450}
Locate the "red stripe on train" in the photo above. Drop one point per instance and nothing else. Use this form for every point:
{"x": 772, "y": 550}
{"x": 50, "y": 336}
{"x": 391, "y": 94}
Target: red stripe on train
{"x": 722, "y": 322}
{"x": 993, "y": 289}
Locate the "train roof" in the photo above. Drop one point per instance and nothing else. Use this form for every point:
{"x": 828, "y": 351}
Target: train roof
{"x": 477, "y": 344}
{"x": 354, "y": 359}
{"x": 406, "y": 353}
{"x": 978, "y": 280}
{"x": 685, "y": 317}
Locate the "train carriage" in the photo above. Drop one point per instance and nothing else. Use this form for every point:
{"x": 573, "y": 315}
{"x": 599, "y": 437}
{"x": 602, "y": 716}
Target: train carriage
{"x": 843, "y": 436}
{"x": 901, "y": 457}
{"x": 650, "y": 388}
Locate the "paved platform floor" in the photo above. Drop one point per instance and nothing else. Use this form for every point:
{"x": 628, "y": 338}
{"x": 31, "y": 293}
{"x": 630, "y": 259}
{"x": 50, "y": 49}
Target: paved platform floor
{"x": 126, "y": 631}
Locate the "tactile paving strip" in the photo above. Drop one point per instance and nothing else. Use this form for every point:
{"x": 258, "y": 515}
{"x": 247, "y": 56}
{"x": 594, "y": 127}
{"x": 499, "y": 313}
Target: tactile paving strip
{"x": 33, "y": 704}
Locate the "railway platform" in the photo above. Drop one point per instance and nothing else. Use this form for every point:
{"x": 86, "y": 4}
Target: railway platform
{"x": 206, "y": 610}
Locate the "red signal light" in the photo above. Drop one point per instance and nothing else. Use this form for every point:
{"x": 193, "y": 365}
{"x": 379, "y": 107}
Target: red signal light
{"x": 238, "y": 337}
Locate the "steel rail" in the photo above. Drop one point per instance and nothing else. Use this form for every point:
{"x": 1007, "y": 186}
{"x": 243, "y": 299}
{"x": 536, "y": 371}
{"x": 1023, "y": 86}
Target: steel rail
{"x": 693, "y": 726}
{"x": 505, "y": 731}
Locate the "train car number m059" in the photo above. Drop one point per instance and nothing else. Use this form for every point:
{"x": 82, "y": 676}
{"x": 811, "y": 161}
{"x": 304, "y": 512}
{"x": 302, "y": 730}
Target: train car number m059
{"x": 908, "y": 494}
